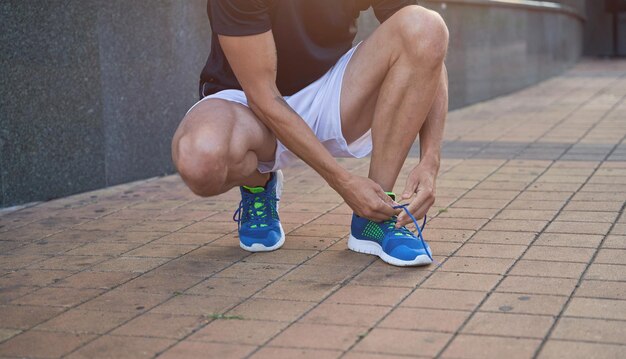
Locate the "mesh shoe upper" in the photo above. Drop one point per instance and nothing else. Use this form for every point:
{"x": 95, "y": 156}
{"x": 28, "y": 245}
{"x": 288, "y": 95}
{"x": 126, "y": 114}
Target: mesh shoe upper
{"x": 257, "y": 215}
{"x": 399, "y": 243}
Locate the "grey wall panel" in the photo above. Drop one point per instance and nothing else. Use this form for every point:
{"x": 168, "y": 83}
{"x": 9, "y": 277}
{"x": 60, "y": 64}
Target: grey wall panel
{"x": 50, "y": 100}
{"x": 149, "y": 80}
{"x": 91, "y": 92}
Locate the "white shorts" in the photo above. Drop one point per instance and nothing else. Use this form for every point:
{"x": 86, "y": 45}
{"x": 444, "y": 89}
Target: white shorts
{"x": 319, "y": 105}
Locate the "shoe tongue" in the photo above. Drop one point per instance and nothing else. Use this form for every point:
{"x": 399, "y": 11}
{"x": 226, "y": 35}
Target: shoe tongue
{"x": 254, "y": 189}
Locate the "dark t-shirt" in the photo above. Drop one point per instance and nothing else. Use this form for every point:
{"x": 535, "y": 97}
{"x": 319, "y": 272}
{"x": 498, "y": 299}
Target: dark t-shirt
{"x": 310, "y": 36}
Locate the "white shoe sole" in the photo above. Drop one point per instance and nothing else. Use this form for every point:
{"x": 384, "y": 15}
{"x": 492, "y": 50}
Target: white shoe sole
{"x": 369, "y": 247}
{"x": 258, "y": 247}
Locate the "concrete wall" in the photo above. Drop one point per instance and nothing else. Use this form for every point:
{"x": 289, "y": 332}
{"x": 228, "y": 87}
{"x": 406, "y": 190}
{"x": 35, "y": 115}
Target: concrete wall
{"x": 92, "y": 91}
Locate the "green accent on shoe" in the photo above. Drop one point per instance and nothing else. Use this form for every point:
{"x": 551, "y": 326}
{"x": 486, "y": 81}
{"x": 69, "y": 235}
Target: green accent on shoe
{"x": 254, "y": 189}
{"x": 391, "y": 194}
{"x": 373, "y": 231}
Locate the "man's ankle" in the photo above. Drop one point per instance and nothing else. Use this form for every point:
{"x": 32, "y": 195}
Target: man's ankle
{"x": 261, "y": 180}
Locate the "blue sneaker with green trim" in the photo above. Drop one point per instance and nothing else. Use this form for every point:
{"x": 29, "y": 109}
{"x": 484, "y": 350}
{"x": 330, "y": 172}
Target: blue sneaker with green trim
{"x": 396, "y": 246}
{"x": 257, "y": 216}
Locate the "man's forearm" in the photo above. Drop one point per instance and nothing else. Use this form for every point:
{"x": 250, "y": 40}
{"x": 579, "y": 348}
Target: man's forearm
{"x": 431, "y": 134}
{"x": 296, "y": 135}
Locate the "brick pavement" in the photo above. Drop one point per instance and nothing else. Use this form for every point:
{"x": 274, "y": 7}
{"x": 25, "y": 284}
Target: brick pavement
{"x": 528, "y": 224}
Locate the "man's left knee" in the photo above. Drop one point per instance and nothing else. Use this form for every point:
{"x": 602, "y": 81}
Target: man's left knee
{"x": 423, "y": 33}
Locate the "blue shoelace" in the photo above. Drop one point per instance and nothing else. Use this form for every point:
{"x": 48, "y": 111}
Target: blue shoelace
{"x": 249, "y": 201}
{"x": 419, "y": 229}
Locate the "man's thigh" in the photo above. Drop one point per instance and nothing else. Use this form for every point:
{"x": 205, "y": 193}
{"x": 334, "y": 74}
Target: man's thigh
{"x": 226, "y": 126}
{"x": 364, "y": 76}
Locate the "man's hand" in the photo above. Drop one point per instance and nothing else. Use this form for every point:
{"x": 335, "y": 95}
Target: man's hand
{"x": 366, "y": 198}
{"x": 421, "y": 182}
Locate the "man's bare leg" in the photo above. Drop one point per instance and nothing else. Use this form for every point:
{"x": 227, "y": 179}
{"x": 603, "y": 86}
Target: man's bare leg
{"x": 397, "y": 76}
{"x": 218, "y": 145}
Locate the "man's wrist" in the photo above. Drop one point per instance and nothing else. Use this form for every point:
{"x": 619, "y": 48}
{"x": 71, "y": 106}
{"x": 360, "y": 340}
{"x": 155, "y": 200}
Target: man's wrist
{"x": 338, "y": 178}
{"x": 430, "y": 163}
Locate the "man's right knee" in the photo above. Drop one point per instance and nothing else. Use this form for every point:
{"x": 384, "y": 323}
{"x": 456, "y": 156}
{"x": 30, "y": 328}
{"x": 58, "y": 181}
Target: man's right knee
{"x": 202, "y": 164}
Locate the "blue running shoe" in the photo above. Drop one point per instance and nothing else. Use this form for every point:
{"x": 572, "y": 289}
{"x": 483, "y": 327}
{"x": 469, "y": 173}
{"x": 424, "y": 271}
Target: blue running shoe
{"x": 396, "y": 246}
{"x": 257, "y": 216}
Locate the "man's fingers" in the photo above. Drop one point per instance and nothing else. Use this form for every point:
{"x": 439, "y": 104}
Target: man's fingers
{"x": 409, "y": 188}
{"x": 387, "y": 210}
{"x": 416, "y": 207}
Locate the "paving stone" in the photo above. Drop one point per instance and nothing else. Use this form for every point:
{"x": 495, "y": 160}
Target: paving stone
{"x": 363, "y": 355}
{"x": 244, "y": 287}
{"x": 477, "y": 265}
{"x": 323, "y": 273}
{"x": 568, "y": 240}
{"x": 579, "y": 350}
{"x": 44, "y": 344}
{"x": 58, "y": 297}
{"x": 84, "y": 321}
{"x": 192, "y": 266}
{"x": 594, "y": 330}
{"x": 606, "y": 272}
{"x": 271, "y": 309}
{"x": 534, "y": 268}
{"x": 563, "y": 254}
{"x": 382, "y": 274}
{"x": 524, "y": 225}
{"x": 361, "y": 294}
{"x": 118, "y": 347}
{"x": 26, "y": 316}
{"x": 447, "y": 235}
{"x": 402, "y": 342}
{"x": 124, "y": 301}
{"x": 491, "y": 250}
{"x": 462, "y": 281}
{"x": 346, "y": 314}
{"x": 69, "y": 263}
{"x": 578, "y": 227}
{"x": 444, "y": 299}
{"x": 596, "y": 308}
{"x": 188, "y": 238}
{"x": 535, "y": 205}
{"x": 289, "y": 353}
{"x": 611, "y": 256}
{"x": 317, "y": 336}
{"x": 285, "y": 256}
{"x": 575, "y": 205}
{"x": 130, "y": 264}
{"x": 602, "y": 289}
{"x": 103, "y": 249}
{"x": 537, "y": 285}
{"x": 509, "y": 324}
{"x": 251, "y": 332}
{"x": 425, "y": 319}
{"x": 524, "y": 303}
{"x": 8, "y": 333}
{"x": 525, "y": 214}
{"x": 479, "y": 347}
{"x": 305, "y": 242}
{"x": 614, "y": 241}
{"x": 297, "y": 290}
{"x": 32, "y": 278}
{"x": 587, "y": 216}
{"x": 503, "y": 237}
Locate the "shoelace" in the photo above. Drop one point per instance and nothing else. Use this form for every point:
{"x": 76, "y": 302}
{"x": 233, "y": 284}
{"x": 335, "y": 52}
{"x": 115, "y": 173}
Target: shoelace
{"x": 249, "y": 201}
{"x": 419, "y": 229}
